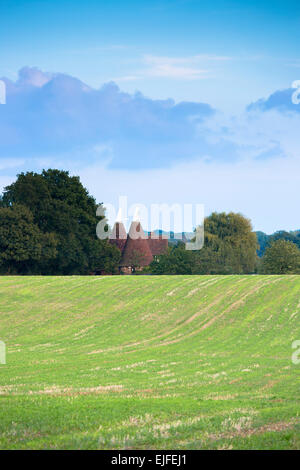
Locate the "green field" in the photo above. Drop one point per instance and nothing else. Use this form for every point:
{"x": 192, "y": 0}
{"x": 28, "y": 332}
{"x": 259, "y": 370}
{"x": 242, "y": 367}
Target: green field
{"x": 137, "y": 362}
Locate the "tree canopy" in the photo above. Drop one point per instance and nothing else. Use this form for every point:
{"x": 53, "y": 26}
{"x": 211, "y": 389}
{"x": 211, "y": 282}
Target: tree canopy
{"x": 177, "y": 260}
{"x": 265, "y": 240}
{"x": 281, "y": 257}
{"x": 23, "y": 246}
{"x": 229, "y": 245}
{"x": 62, "y": 208}
{"x": 229, "y": 248}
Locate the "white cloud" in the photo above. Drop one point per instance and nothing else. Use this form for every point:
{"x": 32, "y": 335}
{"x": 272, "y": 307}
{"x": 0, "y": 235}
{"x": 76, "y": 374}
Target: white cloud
{"x": 171, "y": 71}
{"x": 185, "y": 68}
{"x": 196, "y": 59}
{"x": 180, "y": 68}
{"x": 64, "y": 116}
{"x": 33, "y": 76}
{"x": 256, "y": 134}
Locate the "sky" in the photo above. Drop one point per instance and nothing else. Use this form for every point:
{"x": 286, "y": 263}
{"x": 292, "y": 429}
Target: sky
{"x": 177, "y": 101}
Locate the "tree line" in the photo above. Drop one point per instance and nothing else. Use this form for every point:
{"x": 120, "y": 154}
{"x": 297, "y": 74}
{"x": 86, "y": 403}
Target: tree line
{"x": 48, "y": 226}
{"x": 219, "y": 256}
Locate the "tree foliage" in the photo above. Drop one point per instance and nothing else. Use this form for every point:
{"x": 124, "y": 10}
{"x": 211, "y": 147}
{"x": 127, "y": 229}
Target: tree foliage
{"x": 177, "y": 260}
{"x": 229, "y": 245}
{"x": 23, "y": 246}
{"x": 265, "y": 240}
{"x": 60, "y": 205}
{"x": 229, "y": 248}
{"x": 281, "y": 257}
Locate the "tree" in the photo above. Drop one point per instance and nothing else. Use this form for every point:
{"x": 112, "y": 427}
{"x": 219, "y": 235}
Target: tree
{"x": 287, "y": 236}
{"x": 61, "y": 205}
{"x": 229, "y": 246}
{"x": 23, "y": 245}
{"x": 177, "y": 260}
{"x": 106, "y": 258}
{"x": 266, "y": 240}
{"x": 281, "y": 257}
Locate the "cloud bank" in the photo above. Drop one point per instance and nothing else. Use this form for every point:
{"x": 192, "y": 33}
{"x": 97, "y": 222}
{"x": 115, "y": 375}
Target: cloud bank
{"x": 281, "y": 100}
{"x": 156, "y": 150}
{"x": 54, "y": 114}
{"x": 57, "y": 117}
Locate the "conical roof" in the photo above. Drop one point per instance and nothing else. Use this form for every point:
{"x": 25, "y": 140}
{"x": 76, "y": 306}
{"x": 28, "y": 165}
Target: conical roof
{"x": 137, "y": 251}
{"x": 158, "y": 243}
{"x": 118, "y": 236}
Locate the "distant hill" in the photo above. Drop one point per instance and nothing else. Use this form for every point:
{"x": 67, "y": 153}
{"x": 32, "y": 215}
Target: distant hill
{"x": 264, "y": 240}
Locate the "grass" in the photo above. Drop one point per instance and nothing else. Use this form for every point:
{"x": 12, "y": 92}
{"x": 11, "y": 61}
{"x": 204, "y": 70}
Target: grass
{"x": 138, "y": 362}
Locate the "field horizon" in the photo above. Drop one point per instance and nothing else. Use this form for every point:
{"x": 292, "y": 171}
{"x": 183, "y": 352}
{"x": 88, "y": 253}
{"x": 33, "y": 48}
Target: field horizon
{"x": 149, "y": 362}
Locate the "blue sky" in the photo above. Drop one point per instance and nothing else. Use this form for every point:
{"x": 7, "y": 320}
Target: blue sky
{"x": 238, "y": 51}
{"x": 123, "y": 92}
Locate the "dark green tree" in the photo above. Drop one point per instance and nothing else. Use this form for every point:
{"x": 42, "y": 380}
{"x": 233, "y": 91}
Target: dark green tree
{"x": 177, "y": 260}
{"x": 281, "y": 257}
{"x": 23, "y": 246}
{"x": 61, "y": 205}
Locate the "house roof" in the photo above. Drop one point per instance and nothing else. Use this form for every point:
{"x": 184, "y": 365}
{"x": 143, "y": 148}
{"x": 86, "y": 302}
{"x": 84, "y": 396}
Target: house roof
{"x": 158, "y": 243}
{"x": 137, "y": 250}
{"x": 118, "y": 236}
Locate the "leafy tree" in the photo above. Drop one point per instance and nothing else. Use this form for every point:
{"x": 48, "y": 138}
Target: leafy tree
{"x": 265, "y": 240}
{"x": 287, "y": 236}
{"x": 177, "y": 260}
{"x": 106, "y": 258}
{"x": 281, "y": 257}
{"x": 229, "y": 246}
{"x": 23, "y": 245}
{"x": 61, "y": 205}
